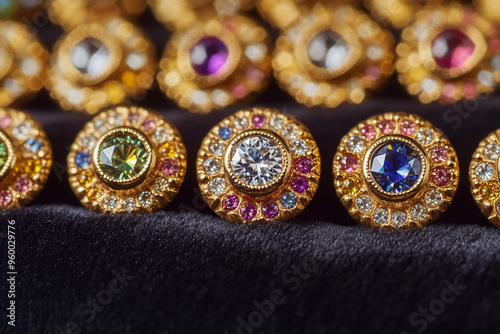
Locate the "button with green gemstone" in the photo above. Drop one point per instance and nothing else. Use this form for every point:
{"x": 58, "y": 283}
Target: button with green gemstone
{"x": 123, "y": 157}
{"x": 6, "y": 154}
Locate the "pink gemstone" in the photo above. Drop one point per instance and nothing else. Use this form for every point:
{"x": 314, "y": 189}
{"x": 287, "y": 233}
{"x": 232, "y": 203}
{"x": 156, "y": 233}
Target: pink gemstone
{"x": 259, "y": 120}
{"x": 23, "y": 184}
{"x": 439, "y": 154}
{"x": 407, "y": 127}
{"x": 448, "y": 91}
{"x": 5, "y": 122}
{"x": 369, "y": 131}
{"x": 386, "y": 126}
{"x": 239, "y": 90}
{"x": 5, "y": 198}
{"x": 300, "y": 184}
{"x": 349, "y": 163}
{"x": 495, "y": 45}
{"x": 248, "y": 211}
{"x": 230, "y": 202}
{"x": 373, "y": 72}
{"x": 303, "y": 165}
{"x": 148, "y": 124}
{"x": 134, "y": 117}
{"x": 254, "y": 74}
{"x": 452, "y": 48}
{"x": 470, "y": 90}
{"x": 441, "y": 176}
{"x": 169, "y": 167}
{"x": 270, "y": 210}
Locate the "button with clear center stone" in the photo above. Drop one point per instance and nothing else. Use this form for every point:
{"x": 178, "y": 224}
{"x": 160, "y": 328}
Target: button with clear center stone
{"x": 90, "y": 56}
{"x": 123, "y": 157}
{"x": 257, "y": 161}
{"x": 328, "y": 50}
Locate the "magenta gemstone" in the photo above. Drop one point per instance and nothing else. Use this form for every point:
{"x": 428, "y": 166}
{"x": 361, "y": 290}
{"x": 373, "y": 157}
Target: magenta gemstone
{"x": 259, "y": 120}
{"x": 149, "y": 124}
{"x": 5, "y": 198}
{"x": 23, "y": 184}
{"x": 452, "y": 48}
{"x": 303, "y": 165}
{"x": 386, "y": 126}
{"x": 208, "y": 56}
{"x": 230, "y": 202}
{"x": 270, "y": 210}
{"x": 300, "y": 184}
{"x": 248, "y": 211}
{"x": 169, "y": 167}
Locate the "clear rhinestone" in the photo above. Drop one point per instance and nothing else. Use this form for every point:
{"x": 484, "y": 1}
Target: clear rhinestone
{"x": 419, "y": 212}
{"x": 162, "y": 134}
{"x": 109, "y": 203}
{"x": 289, "y": 132}
{"x": 101, "y": 125}
{"x": 146, "y": 198}
{"x": 240, "y": 123}
{"x": 299, "y": 147}
{"x": 495, "y": 62}
{"x": 217, "y": 148}
{"x": 160, "y": 185}
{"x": 399, "y": 218}
{"x": 257, "y": 160}
{"x": 199, "y": 97}
{"x": 276, "y": 122}
{"x": 22, "y": 130}
{"x": 256, "y": 52}
{"x": 30, "y": 66}
{"x": 364, "y": 203}
{"x": 128, "y": 204}
{"x": 380, "y": 216}
{"x": 356, "y": 144}
{"x": 492, "y": 150}
{"x": 310, "y": 89}
{"x": 136, "y": 61}
{"x": 328, "y": 50}
{"x": 375, "y": 52}
{"x": 217, "y": 186}
{"x": 425, "y": 136}
{"x": 91, "y": 56}
{"x": 484, "y": 171}
{"x": 486, "y": 78}
{"x": 89, "y": 142}
{"x": 433, "y": 198}
{"x": 429, "y": 85}
{"x": 212, "y": 166}
{"x": 115, "y": 119}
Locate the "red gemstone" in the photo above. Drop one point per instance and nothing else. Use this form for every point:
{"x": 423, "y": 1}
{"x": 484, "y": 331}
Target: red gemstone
{"x": 441, "y": 176}
{"x": 439, "y": 154}
{"x": 452, "y": 48}
{"x": 369, "y": 131}
{"x": 386, "y": 127}
{"x": 349, "y": 163}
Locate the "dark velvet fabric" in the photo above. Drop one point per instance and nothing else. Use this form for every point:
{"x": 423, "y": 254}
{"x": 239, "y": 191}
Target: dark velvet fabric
{"x": 184, "y": 270}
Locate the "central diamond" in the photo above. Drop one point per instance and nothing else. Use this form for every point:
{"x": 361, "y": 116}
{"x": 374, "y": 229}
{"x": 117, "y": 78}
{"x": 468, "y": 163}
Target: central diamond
{"x": 328, "y": 50}
{"x": 396, "y": 167}
{"x": 257, "y": 160}
{"x": 123, "y": 157}
{"x": 91, "y": 56}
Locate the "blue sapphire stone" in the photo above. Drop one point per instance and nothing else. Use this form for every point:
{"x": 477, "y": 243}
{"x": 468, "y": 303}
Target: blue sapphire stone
{"x": 32, "y": 145}
{"x": 82, "y": 159}
{"x": 396, "y": 167}
{"x": 225, "y": 132}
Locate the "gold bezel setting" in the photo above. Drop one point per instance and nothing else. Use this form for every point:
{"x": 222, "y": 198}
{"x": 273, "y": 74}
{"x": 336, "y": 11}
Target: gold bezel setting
{"x": 289, "y": 192}
{"x": 150, "y": 191}
{"x": 29, "y": 159}
{"x": 424, "y": 202}
{"x": 424, "y": 78}
{"x": 246, "y": 72}
{"x": 136, "y": 179}
{"x": 129, "y": 73}
{"x": 484, "y": 177}
{"x": 368, "y": 66}
{"x": 22, "y": 71}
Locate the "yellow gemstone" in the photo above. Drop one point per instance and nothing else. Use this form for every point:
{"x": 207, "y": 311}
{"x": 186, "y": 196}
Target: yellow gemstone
{"x": 351, "y": 186}
{"x": 129, "y": 79}
{"x": 85, "y": 178}
{"x": 115, "y": 92}
{"x": 490, "y": 191}
{"x": 32, "y": 167}
{"x": 93, "y": 194}
{"x": 167, "y": 149}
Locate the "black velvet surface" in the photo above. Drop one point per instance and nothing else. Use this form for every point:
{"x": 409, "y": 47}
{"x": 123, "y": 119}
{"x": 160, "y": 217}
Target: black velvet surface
{"x": 184, "y": 270}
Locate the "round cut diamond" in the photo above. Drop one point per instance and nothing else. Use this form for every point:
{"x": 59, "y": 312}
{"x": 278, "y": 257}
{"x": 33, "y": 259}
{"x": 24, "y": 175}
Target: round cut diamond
{"x": 425, "y": 136}
{"x": 276, "y": 122}
{"x": 288, "y": 200}
{"x": 356, "y": 144}
{"x": 419, "y": 212}
{"x": 109, "y": 203}
{"x": 22, "y": 130}
{"x": 399, "y": 218}
{"x": 208, "y": 55}
{"x": 484, "y": 171}
{"x": 212, "y": 165}
{"x": 433, "y": 198}
{"x": 146, "y": 198}
{"x": 364, "y": 203}
{"x": 90, "y": 56}
{"x": 128, "y": 204}
{"x": 217, "y": 148}
{"x": 257, "y": 160}
{"x": 492, "y": 150}
{"x": 122, "y": 157}
{"x": 299, "y": 147}
{"x": 452, "y": 48}
{"x": 380, "y": 216}
{"x": 328, "y": 50}
{"x": 289, "y": 132}
{"x": 396, "y": 167}
{"x": 217, "y": 186}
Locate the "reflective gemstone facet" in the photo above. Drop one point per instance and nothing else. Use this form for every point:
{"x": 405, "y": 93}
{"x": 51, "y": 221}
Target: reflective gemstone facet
{"x": 122, "y": 157}
{"x": 328, "y": 50}
{"x": 208, "y": 56}
{"x": 452, "y": 48}
{"x": 396, "y": 167}
{"x": 90, "y": 56}
{"x": 4, "y": 153}
{"x": 257, "y": 160}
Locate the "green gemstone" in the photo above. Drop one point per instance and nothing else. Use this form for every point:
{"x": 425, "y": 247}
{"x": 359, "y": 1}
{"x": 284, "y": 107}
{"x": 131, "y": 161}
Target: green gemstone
{"x": 4, "y": 153}
{"x": 123, "y": 157}
{"x": 8, "y": 8}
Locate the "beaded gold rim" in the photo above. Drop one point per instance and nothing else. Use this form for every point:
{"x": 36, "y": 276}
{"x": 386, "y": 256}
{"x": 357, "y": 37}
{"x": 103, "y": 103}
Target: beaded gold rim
{"x": 246, "y": 72}
{"x": 128, "y": 74}
{"x": 484, "y": 177}
{"x": 291, "y": 190}
{"x": 28, "y": 158}
{"x": 22, "y": 71}
{"x": 148, "y": 192}
{"x": 424, "y": 202}
{"x": 355, "y": 81}
{"x": 424, "y": 78}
